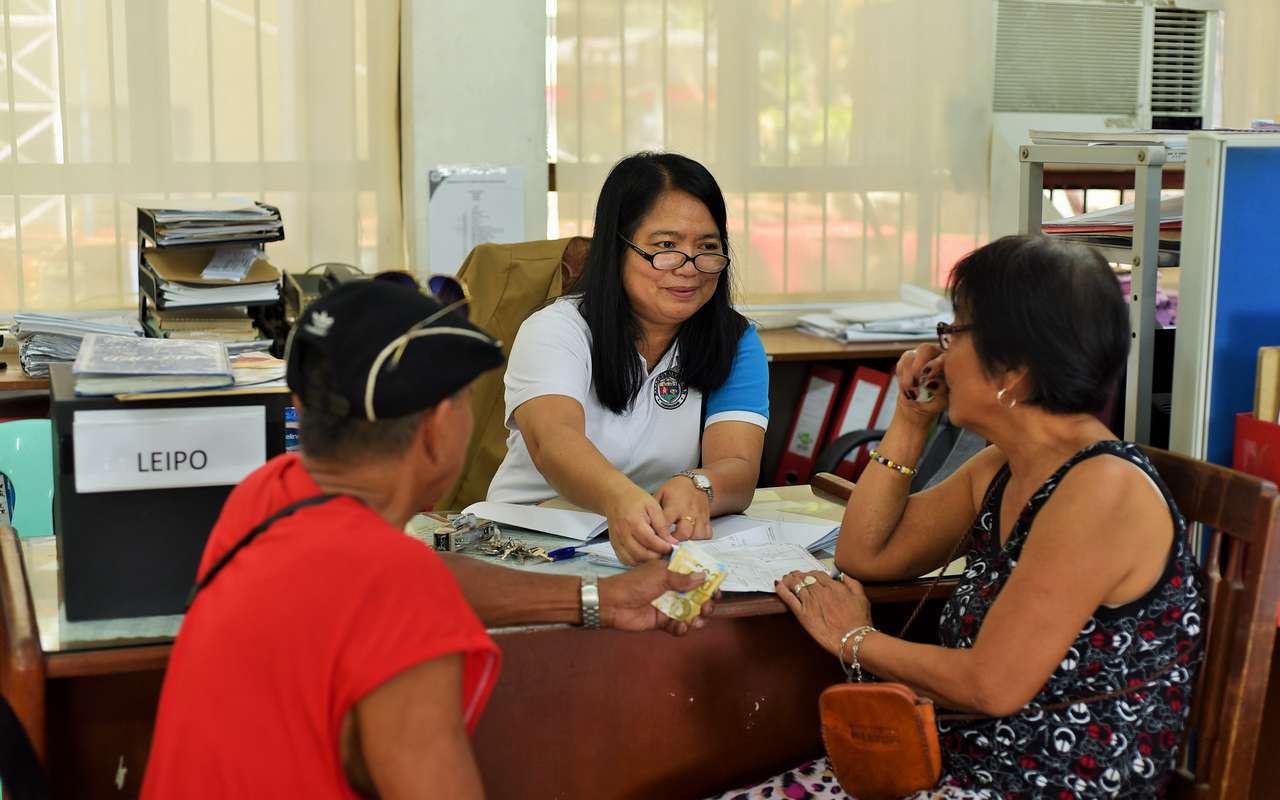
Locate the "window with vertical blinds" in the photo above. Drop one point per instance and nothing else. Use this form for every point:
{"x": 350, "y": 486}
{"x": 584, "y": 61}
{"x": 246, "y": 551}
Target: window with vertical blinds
{"x": 850, "y": 136}
{"x": 107, "y": 105}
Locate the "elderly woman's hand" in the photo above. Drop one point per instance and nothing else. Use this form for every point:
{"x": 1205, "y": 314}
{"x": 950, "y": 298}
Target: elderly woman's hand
{"x": 827, "y": 608}
{"x": 687, "y": 507}
{"x": 922, "y": 386}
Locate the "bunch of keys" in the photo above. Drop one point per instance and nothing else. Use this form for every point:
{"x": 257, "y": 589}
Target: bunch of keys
{"x": 470, "y": 534}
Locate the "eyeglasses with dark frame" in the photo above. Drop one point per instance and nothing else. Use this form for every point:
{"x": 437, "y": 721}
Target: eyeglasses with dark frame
{"x": 945, "y": 331}
{"x": 668, "y": 260}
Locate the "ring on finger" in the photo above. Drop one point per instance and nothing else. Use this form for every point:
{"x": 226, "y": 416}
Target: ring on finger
{"x": 797, "y": 588}
{"x": 687, "y": 518}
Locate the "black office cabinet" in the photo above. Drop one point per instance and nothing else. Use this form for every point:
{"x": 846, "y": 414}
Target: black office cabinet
{"x": 134, "y": 553}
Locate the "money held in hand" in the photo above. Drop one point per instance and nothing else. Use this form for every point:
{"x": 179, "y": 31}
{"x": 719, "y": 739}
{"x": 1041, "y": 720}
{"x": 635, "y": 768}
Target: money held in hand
{"x": 685, "y": 606}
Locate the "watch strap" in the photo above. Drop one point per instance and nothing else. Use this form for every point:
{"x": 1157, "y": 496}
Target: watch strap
{"x": 590, "y": 593}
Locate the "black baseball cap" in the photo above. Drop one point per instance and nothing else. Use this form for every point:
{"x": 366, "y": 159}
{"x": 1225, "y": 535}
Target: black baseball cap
{"x": 393, "y": 350}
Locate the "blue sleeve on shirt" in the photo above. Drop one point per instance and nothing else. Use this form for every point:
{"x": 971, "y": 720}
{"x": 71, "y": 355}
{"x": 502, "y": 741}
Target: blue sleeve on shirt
{"x": 746, "y": 392}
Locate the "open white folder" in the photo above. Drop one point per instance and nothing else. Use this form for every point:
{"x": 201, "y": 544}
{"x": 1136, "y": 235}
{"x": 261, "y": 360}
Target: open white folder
{"x": 581, "y": 526}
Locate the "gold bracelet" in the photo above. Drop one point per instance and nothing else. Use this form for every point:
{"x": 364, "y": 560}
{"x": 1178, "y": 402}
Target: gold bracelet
{"x": 901, "y": 469}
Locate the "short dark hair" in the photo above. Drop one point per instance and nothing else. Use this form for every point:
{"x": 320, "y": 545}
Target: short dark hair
{"x": 707, "y": 341}
{"x": 1051, "y": 306}
{"x": 327, "y": 435}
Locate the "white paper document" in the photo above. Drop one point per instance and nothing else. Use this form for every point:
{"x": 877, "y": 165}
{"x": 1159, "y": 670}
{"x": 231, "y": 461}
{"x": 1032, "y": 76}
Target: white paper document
{"x": 469, "y": 206}
{"x": 581, "y": 526}
{"x": 756, "y": 553}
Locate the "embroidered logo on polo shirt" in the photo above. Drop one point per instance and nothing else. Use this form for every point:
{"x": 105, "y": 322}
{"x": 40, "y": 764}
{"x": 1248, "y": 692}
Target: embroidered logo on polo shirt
{"x": 669, "y": 391}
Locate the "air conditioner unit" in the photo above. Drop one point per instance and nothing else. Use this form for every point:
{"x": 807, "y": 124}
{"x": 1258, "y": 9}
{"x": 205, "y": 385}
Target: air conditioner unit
{"x": 1096, "y": 65}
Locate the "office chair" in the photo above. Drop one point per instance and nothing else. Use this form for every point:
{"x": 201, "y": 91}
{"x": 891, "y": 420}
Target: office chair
{"x": 948, "y": 447}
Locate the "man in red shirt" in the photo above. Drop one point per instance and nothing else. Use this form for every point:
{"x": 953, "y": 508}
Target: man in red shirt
{"x": 325, "y": 653}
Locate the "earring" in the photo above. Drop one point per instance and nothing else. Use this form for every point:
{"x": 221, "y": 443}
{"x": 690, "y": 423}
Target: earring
{"x": 1013, "y": 401}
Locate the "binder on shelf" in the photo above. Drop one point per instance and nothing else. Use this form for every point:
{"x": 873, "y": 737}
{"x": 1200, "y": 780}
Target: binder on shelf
{"x": 808, "y": 424}
{"x": 858, "y": 410}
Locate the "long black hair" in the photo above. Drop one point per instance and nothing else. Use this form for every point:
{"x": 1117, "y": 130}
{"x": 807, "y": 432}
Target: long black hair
{"x": 706, "y": 342}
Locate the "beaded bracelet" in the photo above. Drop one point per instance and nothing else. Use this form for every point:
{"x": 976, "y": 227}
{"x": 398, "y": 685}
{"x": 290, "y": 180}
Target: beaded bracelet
{"x": 901, "y": 469}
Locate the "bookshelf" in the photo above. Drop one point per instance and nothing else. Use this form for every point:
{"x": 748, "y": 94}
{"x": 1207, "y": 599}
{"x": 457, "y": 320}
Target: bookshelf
{"x": 1147, "y": 164}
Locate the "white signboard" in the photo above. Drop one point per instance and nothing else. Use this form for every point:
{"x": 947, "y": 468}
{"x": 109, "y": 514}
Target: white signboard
{"x": 165, "y": 448}
{"x": 469, "y": 206}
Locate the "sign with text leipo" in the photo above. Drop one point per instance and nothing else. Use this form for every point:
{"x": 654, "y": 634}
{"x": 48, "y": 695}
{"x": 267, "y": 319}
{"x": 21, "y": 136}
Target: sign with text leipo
{"x": 166, "y": 448}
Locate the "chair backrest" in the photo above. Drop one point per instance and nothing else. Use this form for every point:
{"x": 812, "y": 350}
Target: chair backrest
{"x": 948, "y": 447}
{"x": 22, "y": 674}
{"x": 507, "y": 283}
{"x": 1240, "y": 516}
{"x": 26, "y": 462}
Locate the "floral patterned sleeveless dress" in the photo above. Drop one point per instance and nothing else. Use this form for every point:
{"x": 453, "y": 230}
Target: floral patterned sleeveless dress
{"x": 1122, "y": 747}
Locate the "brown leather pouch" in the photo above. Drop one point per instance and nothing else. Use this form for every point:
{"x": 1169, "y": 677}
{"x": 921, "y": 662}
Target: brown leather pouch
{"x": 881, "y": 738}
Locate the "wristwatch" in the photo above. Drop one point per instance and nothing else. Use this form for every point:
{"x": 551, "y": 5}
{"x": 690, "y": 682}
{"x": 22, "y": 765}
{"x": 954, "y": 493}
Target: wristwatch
{"x": 590, "y": 602}
{"x": 701, "y": 481}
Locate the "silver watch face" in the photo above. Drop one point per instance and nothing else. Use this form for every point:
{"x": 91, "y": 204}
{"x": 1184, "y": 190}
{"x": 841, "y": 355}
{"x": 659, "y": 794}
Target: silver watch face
{"x": 701, "y": 481}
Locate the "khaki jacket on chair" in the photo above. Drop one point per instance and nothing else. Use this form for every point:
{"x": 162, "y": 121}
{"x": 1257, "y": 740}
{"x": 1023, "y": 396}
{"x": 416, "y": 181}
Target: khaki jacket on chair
{"x": 507, "y": 282}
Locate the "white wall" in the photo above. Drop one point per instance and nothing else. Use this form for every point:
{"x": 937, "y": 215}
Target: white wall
{"x": 473, "y": 94}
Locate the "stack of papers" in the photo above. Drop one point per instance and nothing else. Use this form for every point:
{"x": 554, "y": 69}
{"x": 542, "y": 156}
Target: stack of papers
{"x": 109, "y": 365}
{"x": 756, "y": 555}
{"x": 1113, "y": 228}
{"x": 914, "y": 315}
{"x": 45, "y": 339}
{"x": 173, "y": 279}
{"x": 215, "y": 219}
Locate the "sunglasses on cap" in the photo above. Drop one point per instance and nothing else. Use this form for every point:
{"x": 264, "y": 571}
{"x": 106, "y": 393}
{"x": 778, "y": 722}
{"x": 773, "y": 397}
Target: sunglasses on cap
{"x": 450, "y": 291}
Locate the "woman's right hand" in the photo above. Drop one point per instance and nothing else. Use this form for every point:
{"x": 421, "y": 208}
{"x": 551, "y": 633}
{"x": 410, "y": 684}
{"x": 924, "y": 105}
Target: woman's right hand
{"x": 638, "y": 527}
{"x": 922, "y": 384}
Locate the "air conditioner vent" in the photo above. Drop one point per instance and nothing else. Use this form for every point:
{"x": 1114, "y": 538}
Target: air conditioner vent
{"x": 1177, "y": 68}
{"x": 1068, "y": 58}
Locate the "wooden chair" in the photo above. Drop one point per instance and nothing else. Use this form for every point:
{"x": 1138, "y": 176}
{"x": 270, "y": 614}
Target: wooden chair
{"x": 21, "y": 672}
{"x": 1240, "y": 516}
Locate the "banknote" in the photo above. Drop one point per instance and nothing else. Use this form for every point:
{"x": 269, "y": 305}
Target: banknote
{"x": 685, "y": 606}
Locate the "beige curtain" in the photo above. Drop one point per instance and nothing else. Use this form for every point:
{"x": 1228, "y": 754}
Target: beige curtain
{"x": 1250, "y": 62}
{"x": 850, "y": 136}
{"x": 107, "y": 105}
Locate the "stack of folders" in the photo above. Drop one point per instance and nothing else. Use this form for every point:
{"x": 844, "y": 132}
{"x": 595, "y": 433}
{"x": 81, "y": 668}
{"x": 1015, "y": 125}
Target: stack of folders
{"x": 1113, "y": 228}
{"x": 45, "y": 339}
{"x": 109, "y": 365}
{"x": 211, "y": 220}
{"x": 915, "y": 314}
{"x": 219, "y": 323}
{"x": 174, "y": 279}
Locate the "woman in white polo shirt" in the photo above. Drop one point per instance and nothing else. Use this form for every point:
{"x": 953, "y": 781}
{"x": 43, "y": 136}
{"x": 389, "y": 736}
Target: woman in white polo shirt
{"x": 642, "y": 395}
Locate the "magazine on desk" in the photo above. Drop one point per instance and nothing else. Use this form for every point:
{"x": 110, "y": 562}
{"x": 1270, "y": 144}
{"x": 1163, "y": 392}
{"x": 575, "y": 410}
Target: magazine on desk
{"x": 108, "y": 365}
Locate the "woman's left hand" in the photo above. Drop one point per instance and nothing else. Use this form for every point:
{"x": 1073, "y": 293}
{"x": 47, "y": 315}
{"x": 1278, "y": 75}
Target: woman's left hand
{"x": 685, "y": 506}
{"x": 827, "y": 608}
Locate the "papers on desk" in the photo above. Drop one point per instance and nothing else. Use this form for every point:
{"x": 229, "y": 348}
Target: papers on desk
{"x": 755, "y": 555}
{"x": 209, "y": 219}
{"x": 914, "y": 315}
{"x": 45, "y": 339}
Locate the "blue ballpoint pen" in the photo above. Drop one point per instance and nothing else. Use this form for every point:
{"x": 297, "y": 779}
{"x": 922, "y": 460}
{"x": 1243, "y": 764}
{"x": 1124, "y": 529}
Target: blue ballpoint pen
{"x": 565, "y": 553}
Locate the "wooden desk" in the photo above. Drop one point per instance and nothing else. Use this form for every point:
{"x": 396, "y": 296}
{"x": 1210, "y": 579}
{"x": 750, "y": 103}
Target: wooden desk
{"x": 576, "y": 714}
{"x": 13, "y": 379}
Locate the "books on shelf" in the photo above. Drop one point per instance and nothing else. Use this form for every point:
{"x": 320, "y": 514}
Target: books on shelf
{"x": 109, "y": 365}
{"x": 172, "y": 279}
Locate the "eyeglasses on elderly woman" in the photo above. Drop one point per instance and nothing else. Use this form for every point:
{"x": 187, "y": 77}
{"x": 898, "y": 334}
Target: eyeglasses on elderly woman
{"x": 945, "y": 331}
